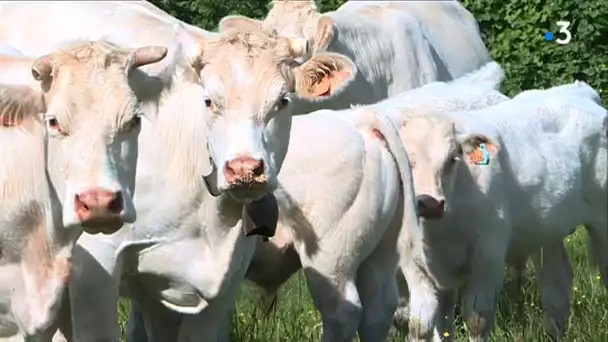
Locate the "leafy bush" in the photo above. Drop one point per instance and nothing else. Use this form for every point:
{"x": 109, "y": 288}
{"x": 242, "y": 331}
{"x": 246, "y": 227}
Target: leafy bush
{"x": 513, "y": 30}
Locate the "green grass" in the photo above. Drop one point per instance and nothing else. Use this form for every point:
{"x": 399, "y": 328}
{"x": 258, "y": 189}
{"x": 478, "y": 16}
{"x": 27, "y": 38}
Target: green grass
{"x": 296, "y": 319}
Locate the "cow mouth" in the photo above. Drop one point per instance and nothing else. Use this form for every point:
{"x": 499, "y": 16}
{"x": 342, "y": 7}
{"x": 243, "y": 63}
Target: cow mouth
{"x": 248, "y": 191}
{"x": 105, "y": 226}
{"x": 430, "y": 214}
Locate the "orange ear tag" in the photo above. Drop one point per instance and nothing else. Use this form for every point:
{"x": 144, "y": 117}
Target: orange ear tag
{"x": 480, "y": 155}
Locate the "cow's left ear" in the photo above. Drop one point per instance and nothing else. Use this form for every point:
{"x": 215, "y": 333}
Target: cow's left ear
{"x": 478, "y": 149}
{"x": 323, "y": 76}
{"x": 239, "y": 23}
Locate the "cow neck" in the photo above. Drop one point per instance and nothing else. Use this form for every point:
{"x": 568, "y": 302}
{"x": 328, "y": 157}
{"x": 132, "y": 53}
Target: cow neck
{"x": 220, "y": 214}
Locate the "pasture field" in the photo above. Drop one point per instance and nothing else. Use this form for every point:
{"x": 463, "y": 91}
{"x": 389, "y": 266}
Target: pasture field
{"x": 295, "y": 319}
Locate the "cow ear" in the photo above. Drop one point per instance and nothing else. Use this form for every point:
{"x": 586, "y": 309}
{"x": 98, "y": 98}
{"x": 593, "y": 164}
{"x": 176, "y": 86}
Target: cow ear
{"x": 239, "y": 23}
{"x": 323, "y": 76}
{"x": 324, "y": 32}
{"x": 479, "y": 149}
{"x": 21, "y": 106}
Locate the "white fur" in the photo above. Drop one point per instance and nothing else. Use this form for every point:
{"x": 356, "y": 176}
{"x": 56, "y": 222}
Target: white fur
{"x": 546, "y": 179}
{"x": 182, "y": 233}
{"x": 29, "y": 290}
{"x": 273, "y": 262}
{"x": 9, "y": 50}
{"x": 404, "y": 46}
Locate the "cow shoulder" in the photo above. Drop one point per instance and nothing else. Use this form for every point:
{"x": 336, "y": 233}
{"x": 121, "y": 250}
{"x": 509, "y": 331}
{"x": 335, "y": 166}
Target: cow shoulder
{"x": 19, "y": 105}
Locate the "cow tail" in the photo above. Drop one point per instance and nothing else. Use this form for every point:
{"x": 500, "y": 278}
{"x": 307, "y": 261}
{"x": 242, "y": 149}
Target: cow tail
{"x": 410, "y": 235}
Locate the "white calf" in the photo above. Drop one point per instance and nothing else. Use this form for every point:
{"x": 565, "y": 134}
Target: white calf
{"x": 502, "y": 184}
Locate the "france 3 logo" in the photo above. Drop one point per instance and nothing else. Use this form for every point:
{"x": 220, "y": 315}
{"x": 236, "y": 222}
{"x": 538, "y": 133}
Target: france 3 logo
{"x": 564, "y": 32}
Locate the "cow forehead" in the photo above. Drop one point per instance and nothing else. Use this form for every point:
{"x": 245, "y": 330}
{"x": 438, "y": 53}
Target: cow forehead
{"x": 429, "y": 137}
{"x": 247, "y": 70}
{"x": 84, "y": 96}
{"x": 292, "y": 7}
{"x": 90, "y": 78}
{"x": 290, "y": 18}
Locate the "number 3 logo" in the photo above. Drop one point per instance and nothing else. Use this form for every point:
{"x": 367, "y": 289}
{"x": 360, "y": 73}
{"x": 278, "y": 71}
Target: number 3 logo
{"x": 563, "y": 28}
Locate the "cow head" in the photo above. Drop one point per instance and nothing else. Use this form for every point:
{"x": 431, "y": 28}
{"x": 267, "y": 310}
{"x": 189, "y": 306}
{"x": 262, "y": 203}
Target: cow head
{"x": 249, "y": 81}
{"x": 290, "y": 18}
{"x": 92, "y": 113}
{"x": 437, "y": 151}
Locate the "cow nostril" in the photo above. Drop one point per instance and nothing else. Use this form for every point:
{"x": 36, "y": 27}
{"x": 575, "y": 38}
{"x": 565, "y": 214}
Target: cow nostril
{"x": 116, "y": 204}
{"x": 259, "y": 168}
{"x": 80, "y": 203}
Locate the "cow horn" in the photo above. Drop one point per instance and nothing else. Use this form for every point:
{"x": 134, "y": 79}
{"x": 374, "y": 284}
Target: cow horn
{"x": 147, "y": 55}
{"x": 42, "y": 68}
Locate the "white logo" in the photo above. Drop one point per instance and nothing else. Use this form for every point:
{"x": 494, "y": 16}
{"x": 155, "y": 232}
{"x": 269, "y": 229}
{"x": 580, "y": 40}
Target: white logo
{"x": 563, "y": 28}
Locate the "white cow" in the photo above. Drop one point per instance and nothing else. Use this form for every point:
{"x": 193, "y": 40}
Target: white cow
{"x": 202, "y": 129}
{"x": 396, "y": 45}
{"x": 500, "y": 185}
{"x": 7, "y": 50}
{"x": 83, "y": 163}
{"x": 275, "y": 261}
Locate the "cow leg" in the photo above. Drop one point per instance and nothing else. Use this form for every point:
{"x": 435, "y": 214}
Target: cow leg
{"x": 149, "y": 320}
{"x": 402, "y": 313}
{"x": 423, "y": 302}
{"x": 481, "y": 295}
{"x": 445, "y": 314}
{"x": 61, "y": 330}
{"x": 554, "y": 277}
{"x": 337, "y": 299}
{"x": 213, "y": 322}
{"x": 94, "y": 293}
{"x": 136, "y": 326}
{"x": 597, "y": 244}
{"x": 224, "y": 331}
{"x": 377, "y": 289}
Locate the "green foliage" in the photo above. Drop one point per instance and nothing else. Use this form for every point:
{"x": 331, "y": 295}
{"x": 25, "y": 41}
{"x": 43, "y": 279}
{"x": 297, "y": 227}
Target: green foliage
{"x": 513, "y": 31}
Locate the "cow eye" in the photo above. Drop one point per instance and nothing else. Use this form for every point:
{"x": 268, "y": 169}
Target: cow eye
{"x": 283, "y": 102}
{"x": 133, "y": 123}
{"x": 209, "y": 104}
{"x": 53, "y": 124}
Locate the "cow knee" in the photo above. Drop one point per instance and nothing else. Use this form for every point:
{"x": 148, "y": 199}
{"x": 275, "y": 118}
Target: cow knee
{"x": 477, "y": 323}
{"x": 401, "y": 318}
{"x": 419, "y": 330}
